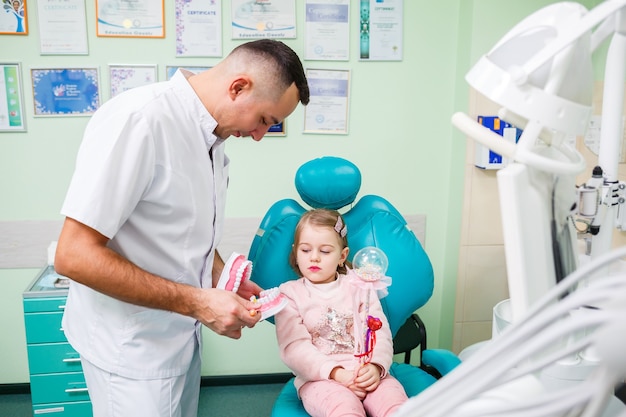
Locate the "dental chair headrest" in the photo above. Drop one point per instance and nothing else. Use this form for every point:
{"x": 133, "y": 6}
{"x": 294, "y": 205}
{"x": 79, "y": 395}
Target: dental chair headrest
{"x": 328, "y": 182}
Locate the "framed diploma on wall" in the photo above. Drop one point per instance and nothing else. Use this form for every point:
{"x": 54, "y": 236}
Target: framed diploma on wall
{"x": 198, "y": 28}
{"x": 125, "y": 77}
{"x": 12, "y": 117}
{"x": 274, "y": 19}
{"x": 170, "y": 70}
{"x": 62, "y": 27}
{"x": 279, "y": 129}
{"x": 13, "y": 18}
{"x": 327, "y": 111}
{"x": 65, "y": 91}
{"x": 136, "y": 19}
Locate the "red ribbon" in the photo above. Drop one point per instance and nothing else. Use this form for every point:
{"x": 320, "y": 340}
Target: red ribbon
{"x": 373, "y": 324}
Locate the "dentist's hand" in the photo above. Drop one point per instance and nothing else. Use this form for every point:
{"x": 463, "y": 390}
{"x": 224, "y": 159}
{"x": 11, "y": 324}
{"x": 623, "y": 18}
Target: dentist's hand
{"x": 225, "y": 312}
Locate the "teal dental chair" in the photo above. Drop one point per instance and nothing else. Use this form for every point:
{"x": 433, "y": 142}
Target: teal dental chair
{"x": 333, "y": 183}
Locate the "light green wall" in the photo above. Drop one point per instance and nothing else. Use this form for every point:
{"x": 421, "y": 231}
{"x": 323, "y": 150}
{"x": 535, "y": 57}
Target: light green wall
{"x": 400, "y": 136}
{"x": 13, "y": 361}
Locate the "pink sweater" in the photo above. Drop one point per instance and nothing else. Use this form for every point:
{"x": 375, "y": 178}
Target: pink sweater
{"x": 315, "y": 330}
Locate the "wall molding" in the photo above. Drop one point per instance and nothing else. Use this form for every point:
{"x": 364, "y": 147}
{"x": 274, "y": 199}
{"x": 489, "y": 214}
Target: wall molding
{"x": 24, "y": 244}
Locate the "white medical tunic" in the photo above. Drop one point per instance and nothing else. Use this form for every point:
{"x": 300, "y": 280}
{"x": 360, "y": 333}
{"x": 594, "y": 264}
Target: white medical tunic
{"x": 152, "y": 177}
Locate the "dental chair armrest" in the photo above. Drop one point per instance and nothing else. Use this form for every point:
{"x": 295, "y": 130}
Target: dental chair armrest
{"x": 443, "y": 361}
{"x": 413, "y": 379}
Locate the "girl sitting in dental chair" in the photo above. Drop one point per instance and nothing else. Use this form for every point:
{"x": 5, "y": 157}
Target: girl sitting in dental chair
{"x": 318, "y": 332}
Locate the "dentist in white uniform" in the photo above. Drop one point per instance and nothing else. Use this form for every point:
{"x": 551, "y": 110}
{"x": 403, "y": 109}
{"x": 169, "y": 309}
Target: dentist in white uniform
{"x": 144, "y": 215}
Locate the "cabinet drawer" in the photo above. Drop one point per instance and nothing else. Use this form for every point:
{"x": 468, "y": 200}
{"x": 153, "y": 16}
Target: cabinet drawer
{"x": 44, "y": 327}
{"x": 48, "y": 358}
{"x": 76, "y": 409}
{"x": 39, "y": 305}
{"x": 54, "y": 388}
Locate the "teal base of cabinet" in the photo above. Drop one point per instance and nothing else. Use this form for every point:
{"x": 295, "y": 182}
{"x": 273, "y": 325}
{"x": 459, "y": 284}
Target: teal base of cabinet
{"x": 57, "y": 383}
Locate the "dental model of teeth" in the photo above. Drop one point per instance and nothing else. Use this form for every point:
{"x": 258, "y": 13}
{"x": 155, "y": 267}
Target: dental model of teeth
{"x": 237, "y": 269}
{"x": 270, "y": 302}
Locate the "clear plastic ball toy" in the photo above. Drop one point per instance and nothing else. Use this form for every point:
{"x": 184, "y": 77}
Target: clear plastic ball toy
{"x": 371, "y": 263}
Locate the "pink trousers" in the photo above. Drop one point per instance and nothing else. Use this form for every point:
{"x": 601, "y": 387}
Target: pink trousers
{"x": 331, "y": 399}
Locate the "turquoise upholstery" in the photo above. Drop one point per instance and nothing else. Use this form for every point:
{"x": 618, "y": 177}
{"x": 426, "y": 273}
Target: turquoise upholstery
{"x": 413, "y": 379}
{"x": 272, "y": 243}
{"x": 313, "y": 186}
{"x": 373, "y": 221}
{"x": 334, "y": 183}
{"x": 442, "y": 360}
{"x": 288, "y": 404}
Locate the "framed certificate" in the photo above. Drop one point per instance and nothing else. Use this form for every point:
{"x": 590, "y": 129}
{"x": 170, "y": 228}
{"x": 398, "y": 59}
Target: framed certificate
{"x": 263, "y": 19}
{"x": 62, "y": 27}
{"x": 279, "y": 129}
{"x": 11, "y": 99}
{"x": 381, "y": 30}
{"x": 198, "y": 28}
{"x": 13, "y": 18}
{"x": 125, "y": 77}
{"x": 327, "y": 30}
{"x": 65, "y": 91}
{"x": 327, "y": 111}
{"x": 130, "y": 19}
{"x": 170, "y": 70}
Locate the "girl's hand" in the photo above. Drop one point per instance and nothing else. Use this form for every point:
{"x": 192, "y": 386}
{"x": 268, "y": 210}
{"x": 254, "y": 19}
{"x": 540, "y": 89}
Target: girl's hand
{"x": 345, "y": 377}
{"x": 342, "y": 375}
{"x": 368, "y": 377}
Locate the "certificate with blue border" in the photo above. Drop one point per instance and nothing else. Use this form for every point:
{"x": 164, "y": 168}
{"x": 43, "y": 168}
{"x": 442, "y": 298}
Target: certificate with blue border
{"x": 65, "y": 91}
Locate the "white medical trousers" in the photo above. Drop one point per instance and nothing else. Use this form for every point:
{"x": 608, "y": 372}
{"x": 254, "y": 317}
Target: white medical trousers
{"x": 115, "y": 396}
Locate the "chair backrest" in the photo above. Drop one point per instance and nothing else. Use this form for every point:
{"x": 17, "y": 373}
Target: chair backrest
{"x": 331, "y": 182}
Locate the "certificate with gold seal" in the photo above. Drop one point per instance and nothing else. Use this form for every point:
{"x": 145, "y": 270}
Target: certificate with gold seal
{"x": 254, "y": 19}
{"x": 130, "y": 18}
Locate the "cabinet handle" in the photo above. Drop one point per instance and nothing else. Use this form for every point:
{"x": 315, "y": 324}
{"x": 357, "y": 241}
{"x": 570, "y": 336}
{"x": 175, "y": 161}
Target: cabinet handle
{"x": 50, "y": 410}
{"x": 68, "y": 360}
{"x": 75, "y": 390}
{"x": 61, "y": 307}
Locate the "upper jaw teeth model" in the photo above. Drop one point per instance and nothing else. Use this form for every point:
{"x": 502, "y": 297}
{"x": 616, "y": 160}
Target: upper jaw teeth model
{"x": 238, "y": 269}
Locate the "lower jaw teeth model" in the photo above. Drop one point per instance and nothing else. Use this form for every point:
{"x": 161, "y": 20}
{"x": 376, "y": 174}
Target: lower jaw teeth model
{"x": 238, "y": 269}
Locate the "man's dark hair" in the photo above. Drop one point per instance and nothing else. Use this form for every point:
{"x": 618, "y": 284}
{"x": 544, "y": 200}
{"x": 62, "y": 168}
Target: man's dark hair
{"x": 287, "y": 61}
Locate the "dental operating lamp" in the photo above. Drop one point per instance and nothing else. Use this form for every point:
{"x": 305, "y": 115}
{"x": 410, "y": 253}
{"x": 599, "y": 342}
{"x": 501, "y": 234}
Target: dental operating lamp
{"x": 565, "y": 349}
{"x": 541, "y": 75}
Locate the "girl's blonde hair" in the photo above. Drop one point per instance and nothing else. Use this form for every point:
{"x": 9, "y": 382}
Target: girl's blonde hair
{"x": 319, "y": 218}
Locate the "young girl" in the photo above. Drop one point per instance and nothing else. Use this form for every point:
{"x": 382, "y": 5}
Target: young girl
{"x": 315, "y": 330}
